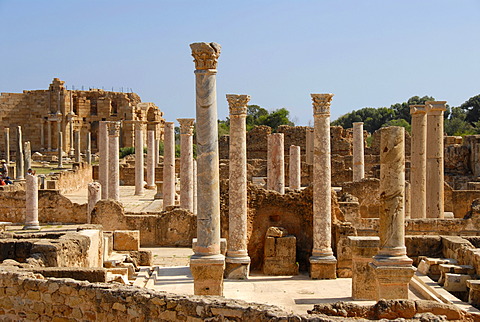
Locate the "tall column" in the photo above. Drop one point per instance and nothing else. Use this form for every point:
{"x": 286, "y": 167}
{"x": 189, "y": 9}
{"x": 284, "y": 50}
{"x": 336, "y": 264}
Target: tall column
{"x": 151, "y": 160}
{"x": 60, "y": 150}
{"x": 418, "y": 167}
{"x": 186, "y": 163}
{"x": 27, "y": 155}
{"x": 31, "y": 203}
{"x": 93, "y": 198}
{"x": 6, "y": 133}
{"x": 169, "y": 165}
{"x": 207, "y": 264}
{"x": 74, "y": 150}
{"x": 42, "y": 135}
{"x": 19, "y": 157}
{"x": 435, "y": 158}
{"x": 295, "y": 168}
{"x": 88, "y": 150}
{"x": 49, "y": 135}
{"x": 358, "y": 155}
{"x": 103, "y": 158}
{"x": 195, "y": 187}
{"x": 276, "y": 163}
{"x": 309, "y": 146}
{"x": 237, "y": 260}
{"x": 157, "y": 152}
{"x": 113, "y": 161}
{"x": 139, "y": 162}
{"x": 76, "y": 136}
{"x": 322, "y": 262}
{"x": 393, "y": 268}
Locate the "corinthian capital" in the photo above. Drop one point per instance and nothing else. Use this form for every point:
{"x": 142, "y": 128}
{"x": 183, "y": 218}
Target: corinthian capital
{"x": 321, "y": 103}
{"x": 186, "y": 126}
{"x": 205, "y": 55}
{"x": 238, "y": 104}
{"x": 113, "y": 128}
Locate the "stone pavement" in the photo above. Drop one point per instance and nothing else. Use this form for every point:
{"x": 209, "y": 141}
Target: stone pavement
{"x": 130, "y": 202}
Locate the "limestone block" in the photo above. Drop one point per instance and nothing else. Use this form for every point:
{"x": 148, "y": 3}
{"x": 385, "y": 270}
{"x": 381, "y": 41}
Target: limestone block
{"x": 456, "y": 282}
{"x": 280, "y": 254}
{"x": 276, "y": 232}
{"x": 474, "y": 292}
{"x": 457, "y": 269}
{"x": 126, "y": 240}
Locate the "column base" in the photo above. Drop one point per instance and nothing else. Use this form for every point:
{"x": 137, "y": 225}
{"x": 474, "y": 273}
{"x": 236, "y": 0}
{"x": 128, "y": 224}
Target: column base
{"x": 151, "y": 187}
{"x": 32, "y": 226}
{"x": 324, "y": 267}
{"x": 207, "y": 272}
{"x": 237, "y": 267}
{"x": 392, "y": 281}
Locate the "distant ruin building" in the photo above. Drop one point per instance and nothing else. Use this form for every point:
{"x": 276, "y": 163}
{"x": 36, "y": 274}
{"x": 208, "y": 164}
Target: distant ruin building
{"x": 42, "y": 114}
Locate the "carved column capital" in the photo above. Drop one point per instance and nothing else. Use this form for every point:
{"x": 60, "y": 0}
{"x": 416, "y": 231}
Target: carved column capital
{"x": 417, "y": 109}
{"x": 321, "y": 103}
{"x": 238, "y": 104}
{"x": 435, "y": 107}
{"x": 186, "y": 126}
{"x": 113, "y": 128}
{"x": 205, "y": 55}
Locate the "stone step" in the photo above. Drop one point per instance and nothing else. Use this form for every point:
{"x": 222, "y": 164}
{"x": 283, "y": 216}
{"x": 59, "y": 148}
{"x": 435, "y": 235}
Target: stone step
{"x": 456, "y": 269}
{"x": 142, "y": 276}
{"x": 154, "y": 276}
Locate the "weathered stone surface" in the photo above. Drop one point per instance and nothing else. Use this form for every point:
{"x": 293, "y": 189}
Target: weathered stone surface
{"x": 276, "y": 232}
{"x": 126, "y": 239}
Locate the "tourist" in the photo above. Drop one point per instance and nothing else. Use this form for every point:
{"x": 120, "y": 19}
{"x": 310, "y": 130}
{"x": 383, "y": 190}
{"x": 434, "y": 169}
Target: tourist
{"x": 30, "y": 171}
{"x": 7, "y": 180}
{"x": 2, "y": 183}
{"x": 4, "y": 168}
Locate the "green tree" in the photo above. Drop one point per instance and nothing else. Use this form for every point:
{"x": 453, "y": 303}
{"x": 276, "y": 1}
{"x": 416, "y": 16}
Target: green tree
{"x": 372, "y": 118}
{"x": 399, "y": 122}
{"x": 472, "y": 109}
{"x": 456, "y": 123}
{"x": 276, "y": 118}
{"x": 402, "y": 110}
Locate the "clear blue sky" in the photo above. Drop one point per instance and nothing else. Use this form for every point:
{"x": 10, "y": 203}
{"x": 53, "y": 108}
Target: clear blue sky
{"x": 368, "y": 53}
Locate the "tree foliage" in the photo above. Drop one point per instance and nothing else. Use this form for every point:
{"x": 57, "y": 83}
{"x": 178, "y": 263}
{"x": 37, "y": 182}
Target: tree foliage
{"x": 472, "y": 109}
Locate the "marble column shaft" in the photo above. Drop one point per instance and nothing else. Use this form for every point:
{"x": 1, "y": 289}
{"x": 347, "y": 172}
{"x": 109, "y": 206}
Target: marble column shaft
{"x": 76, "y": 136}
{"x": 113, "y": 161}
{"x": 6, "y": 133}
{"x": 169, "y": 165}
{"x": 27, "y": 155}
{"x": 139, "y": 160}
{"x": 31, "y": 203}
{"x": 309, "y": 146}
{"x": 195, "y": 186}
{"x": 237, "y": 255}
{"x": 435, "y": 165}
{"x": 49, "y": 135}
{"x": 88, "y": 150}
{"x": 295, "y": 167}
{"x": 60, "y": 150}
{"x": 276, "y": 163}
{"x": 103, "y": 158}
{"x": 358, "y": 152}
{"x": 19, "y": 160}
{"x": 151, "y": 160}
{"x": 322, "y": 262}
{"x": 418, "y": 164}
{"x": 186, "y": 163}
{"x": 94, "y": 195}
{"x": 207, "y": 264}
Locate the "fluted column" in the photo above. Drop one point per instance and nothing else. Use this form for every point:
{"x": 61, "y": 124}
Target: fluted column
{"x": 113, "y": 161}
{"x": 295, "y": 168}
{"x": 276, "y": 162}
{"x": 169, "y": 165}
{"x": 31, "y": 203}
{"x": 418, "y": 167}
{"x": 151, "y": 160}
{"x": 322, "y": 262}
{"x": 186, "y": 163}
{"x": 237, "y": 260}
{"x": 207, "y": 264}
{"x": 19, "y": 157}
{"x": 392, "y": 266}
{"x": 358, "y": 154}
{"x": 93, "y": 198}
{"x": 435, "y": 166}
{"x": 6, "y": 136}
{"x": 76, "y": 136}
{"x": 103, "y": 157}
{"x": 139, "y": 162}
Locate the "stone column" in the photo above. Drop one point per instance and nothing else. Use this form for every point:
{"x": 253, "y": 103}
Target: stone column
{"x": 88, "y": 150}
{"x": 186, "y": 163}
{"x": 207, "y": 264}
{"x": 418, "y": 165}
{"x": 435, "y": 164}
{"x": 19, "y": 157}
{"x": 157, "y": 152}
{"x": 295, "y": 168}
{"x": 309, "y": 146}
{"x": 393, "y": 268}
{"x": 49, "y": 136}
{"x": 6, "y": 133}
{"x": 276, "y": 163}
{"x": 322, "y": 262}
{"x": 31, "y": 202}
{"x": 27, "y": 155}
{"x": 168, "y": 165}
{"x": 103, "y": 158}
{"x": 139, "y": 162}
{"x": 76, "y": 136}
{"x": 113, "y": 161}
{"x": 93, "y": 197}
{"x": 195, "y": 187}
{"x": 237, "y": 260}
{"x": 151, "y": 160}
{"x": 73, "y": 139}
{"x": 358, "y": 155}
{"x": 42, "y": 135}
{"x": 60, "y": 150}
{"x": 364, "y": 284}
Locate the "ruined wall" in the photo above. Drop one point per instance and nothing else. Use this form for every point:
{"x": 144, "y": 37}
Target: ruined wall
{"x": 73, "y": 179}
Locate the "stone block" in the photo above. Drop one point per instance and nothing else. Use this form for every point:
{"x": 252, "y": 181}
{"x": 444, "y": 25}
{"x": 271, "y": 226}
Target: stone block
{"x": 456, "y": 282}
{"x": 126, "y": 240}
{"x": 269, "y": 247}
{"x": 207, "y": 276}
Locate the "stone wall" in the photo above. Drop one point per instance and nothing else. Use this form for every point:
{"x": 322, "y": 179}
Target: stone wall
{"x": 74, "y": 179}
